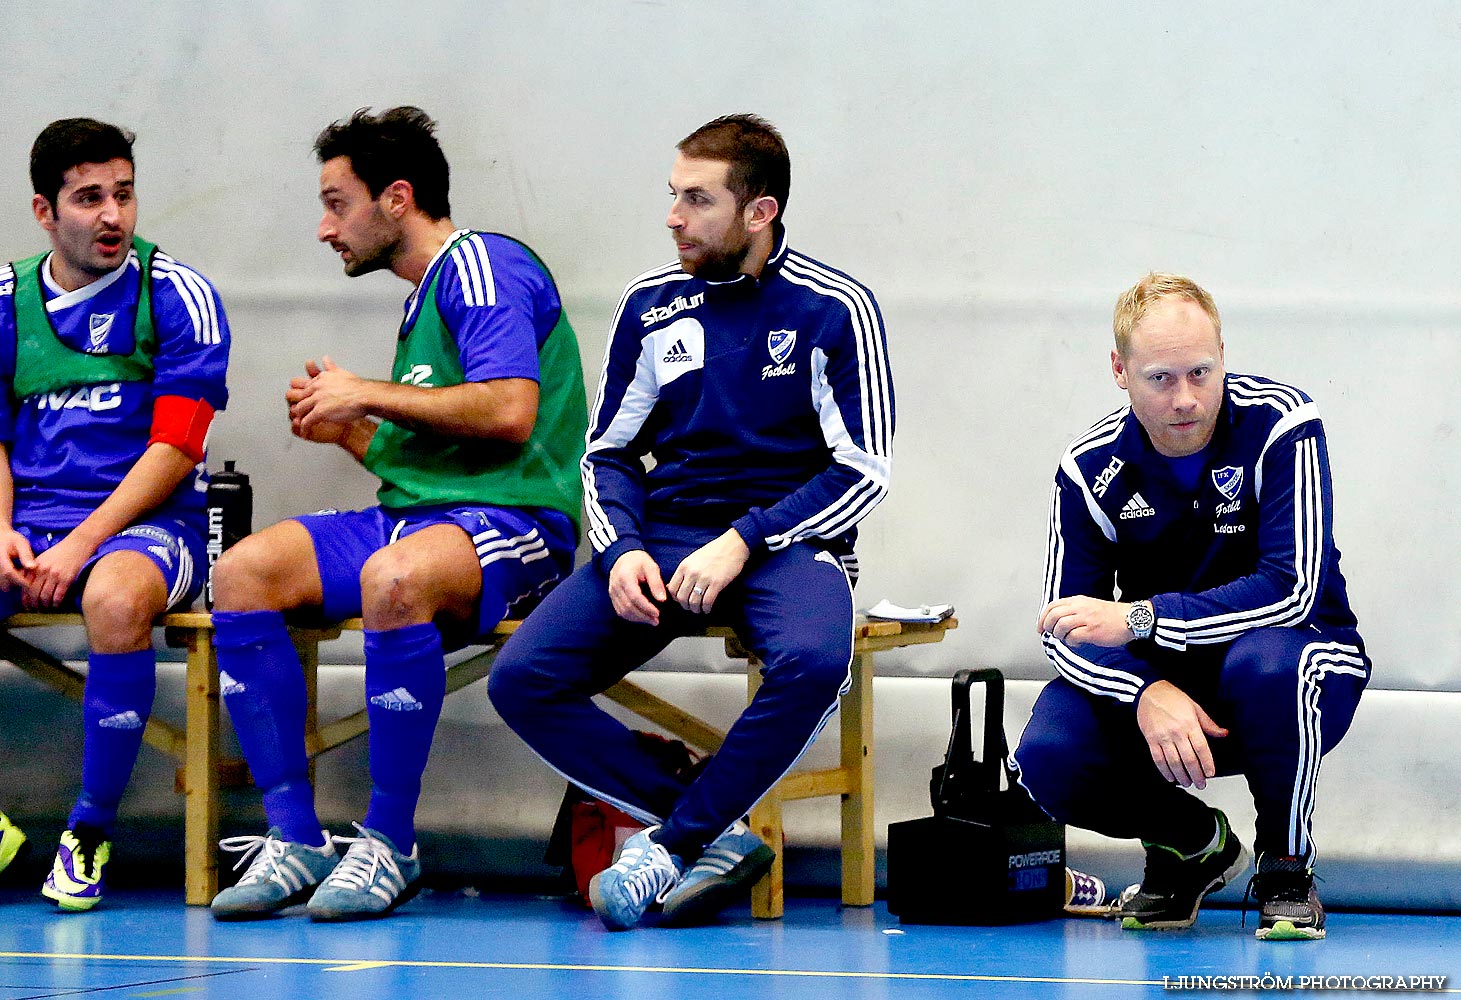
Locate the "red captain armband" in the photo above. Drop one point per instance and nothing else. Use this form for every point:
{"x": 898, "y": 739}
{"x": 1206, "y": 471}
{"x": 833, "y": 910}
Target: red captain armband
{"x": 182, "y": 423}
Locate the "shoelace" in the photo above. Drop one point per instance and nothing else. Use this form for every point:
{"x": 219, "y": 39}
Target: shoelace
{"x": 367, "y": 856}
{"x": 1284, "y": 884}
{"x": 265, "y": 852}
{"x": 643, "y": 872}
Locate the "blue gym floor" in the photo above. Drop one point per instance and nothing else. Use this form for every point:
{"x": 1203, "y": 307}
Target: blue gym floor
{"x": 147, "y": 944}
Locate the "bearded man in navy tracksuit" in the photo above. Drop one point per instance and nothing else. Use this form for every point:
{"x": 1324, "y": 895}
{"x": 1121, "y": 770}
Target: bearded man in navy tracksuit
{"x": 1207, "y": 505}
{"x": 758, "y": 380}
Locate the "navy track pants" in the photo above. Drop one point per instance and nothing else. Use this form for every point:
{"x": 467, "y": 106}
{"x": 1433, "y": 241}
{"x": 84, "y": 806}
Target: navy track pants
{"x": 1286, "y": 695}
{"x": 792, "y": 608}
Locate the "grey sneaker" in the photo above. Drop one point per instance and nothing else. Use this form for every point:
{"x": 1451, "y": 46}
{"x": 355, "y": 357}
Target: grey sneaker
{"x": 732, "y": 863}
{"x": 370, "y": 881}
{"x": 281, "y": 874}
{"x": 1289, "y": 908}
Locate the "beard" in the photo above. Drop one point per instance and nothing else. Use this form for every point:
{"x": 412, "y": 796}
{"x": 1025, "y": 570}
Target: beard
{"x": 376, "y": 258}
{"x": 357, "y": 267}
{"x": 721, "y": 263}
{"x": 375, "y": 247}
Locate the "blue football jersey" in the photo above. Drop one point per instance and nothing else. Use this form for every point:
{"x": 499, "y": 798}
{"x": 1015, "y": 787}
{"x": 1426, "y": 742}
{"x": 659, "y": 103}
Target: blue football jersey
{"x": 70, "y": 449}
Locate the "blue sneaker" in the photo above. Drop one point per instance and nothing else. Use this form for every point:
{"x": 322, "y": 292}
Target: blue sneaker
{"x": 644, "y": 873}
{"x": 12, "y": 840}
{"x": 370, "y": 881}
{"x": 733, "y": 863}
{"x": 282, "y": 873}
{"x": 78, "y": 877}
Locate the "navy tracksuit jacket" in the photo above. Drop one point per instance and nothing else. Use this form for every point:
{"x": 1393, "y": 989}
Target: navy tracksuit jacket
{"x": 764, "y": 404}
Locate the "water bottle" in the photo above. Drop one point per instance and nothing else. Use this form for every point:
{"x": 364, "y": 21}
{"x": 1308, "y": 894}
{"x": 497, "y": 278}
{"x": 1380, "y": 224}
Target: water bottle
{"x": 230, "y": 517}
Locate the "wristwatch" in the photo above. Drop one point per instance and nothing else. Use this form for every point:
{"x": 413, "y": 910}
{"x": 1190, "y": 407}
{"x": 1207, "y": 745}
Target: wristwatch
{"x": 1141, "y": 620}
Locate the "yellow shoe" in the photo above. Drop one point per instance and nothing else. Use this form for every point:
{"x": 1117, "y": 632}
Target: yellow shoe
{"x": 11, "y": 841}
{"x": 78, "y": 877}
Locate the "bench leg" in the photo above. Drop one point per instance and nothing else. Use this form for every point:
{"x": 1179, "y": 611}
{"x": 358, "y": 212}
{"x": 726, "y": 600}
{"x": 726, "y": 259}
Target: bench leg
{"x": 768, "y": 900}
{"x": 200, "y": 773}
{"x": 307, "y": 646}
{"x": 768, "y": 896}
{"x": 857, "y": 805}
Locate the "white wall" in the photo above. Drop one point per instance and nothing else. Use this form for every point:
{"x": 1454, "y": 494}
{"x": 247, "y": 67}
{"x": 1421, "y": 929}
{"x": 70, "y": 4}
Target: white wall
{"x": 995, "y": 172}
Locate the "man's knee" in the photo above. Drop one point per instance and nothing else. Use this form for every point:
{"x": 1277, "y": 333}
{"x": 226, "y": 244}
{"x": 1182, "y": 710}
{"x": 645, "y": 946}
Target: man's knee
{"x": 123, "y": 594}
{"x": 238, "y": 571}
{"x": 822, "y": 671}
{"x": 396, "y": 583}
{"x": 1044, "y": 762}
{"x": 1261, "y": 660}
{"x": 515, "y": 687}
{"x": 1056, "y": 746}
{"x": 434, "y": 571}
{"x": 269, "y": 571}
{"x": 502, "y": 687}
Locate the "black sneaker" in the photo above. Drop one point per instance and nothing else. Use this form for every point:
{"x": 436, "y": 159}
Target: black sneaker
{"x": 1288, "y": 906}
{"x": 1173, "y": 887}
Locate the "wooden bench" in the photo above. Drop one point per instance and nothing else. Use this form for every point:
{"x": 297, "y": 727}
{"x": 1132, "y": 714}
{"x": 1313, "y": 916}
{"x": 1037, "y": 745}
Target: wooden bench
{"x": 195, "y": 743}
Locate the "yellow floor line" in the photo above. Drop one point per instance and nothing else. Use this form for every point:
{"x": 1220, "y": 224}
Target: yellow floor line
{"x": 360, "y": 965}
{"x": 347, "y": 965}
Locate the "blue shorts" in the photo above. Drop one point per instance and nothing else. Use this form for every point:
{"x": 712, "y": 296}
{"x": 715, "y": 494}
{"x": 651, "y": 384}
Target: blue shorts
{"x": 523, "y": 553}
{"x": 174, "y": 546}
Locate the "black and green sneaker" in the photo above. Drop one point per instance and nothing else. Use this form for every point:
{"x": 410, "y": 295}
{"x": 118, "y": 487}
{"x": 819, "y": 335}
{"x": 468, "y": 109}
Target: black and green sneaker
{"x": 1173, "y": 887}
{"x": 1288, "y": 906}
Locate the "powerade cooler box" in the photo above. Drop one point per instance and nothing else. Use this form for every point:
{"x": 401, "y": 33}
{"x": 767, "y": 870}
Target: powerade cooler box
{"x": 987, "y": 855}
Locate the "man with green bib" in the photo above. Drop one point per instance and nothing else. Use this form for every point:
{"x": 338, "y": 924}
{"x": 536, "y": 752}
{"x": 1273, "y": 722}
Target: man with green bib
{"x": 476, "y": 440}
{"x": 113, "y": 358}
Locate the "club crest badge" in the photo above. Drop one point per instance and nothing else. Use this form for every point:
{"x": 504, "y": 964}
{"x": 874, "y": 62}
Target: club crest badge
{"x": 101, "y": 325}
{"x": 780, "y": 344}
{"x": 1228, "y": 480}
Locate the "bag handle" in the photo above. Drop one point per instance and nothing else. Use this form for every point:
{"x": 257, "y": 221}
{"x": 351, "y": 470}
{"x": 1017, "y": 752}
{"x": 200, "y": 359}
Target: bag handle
{"x": 995, "y": 746}
{"x": 959, "y": 764}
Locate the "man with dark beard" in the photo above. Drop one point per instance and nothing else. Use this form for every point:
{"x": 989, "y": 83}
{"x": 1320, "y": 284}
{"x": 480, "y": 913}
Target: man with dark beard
{"x": 476, "y": 439}
{"x": 758, "y": 380}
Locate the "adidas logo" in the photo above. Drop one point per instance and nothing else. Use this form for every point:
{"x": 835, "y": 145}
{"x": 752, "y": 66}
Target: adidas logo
{"x": 228, "y": 685}
{"x": 399, "y": 700}
{"x": 676, "y": 353}
{"x": 122, "y": 720}
{"x": 1137, "y": 507}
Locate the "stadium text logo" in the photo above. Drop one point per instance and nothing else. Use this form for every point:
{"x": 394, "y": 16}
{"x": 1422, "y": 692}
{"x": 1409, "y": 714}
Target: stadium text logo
{"x": 677, "y": 305}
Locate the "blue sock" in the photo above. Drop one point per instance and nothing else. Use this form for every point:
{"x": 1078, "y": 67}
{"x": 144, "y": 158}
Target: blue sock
{"x": 263, "y": 686}
{"x": 405, "y": 684}
{"x": 115, "y": 707}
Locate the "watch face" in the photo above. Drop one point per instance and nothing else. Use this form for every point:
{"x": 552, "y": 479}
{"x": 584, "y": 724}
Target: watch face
{"x": 1140, "y": 620}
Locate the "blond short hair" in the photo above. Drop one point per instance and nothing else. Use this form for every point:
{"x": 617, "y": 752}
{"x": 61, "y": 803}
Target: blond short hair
{"x": 1138, "y": 300}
